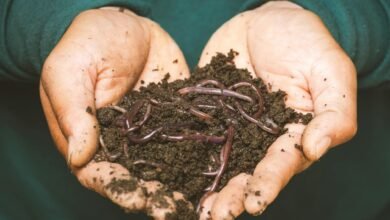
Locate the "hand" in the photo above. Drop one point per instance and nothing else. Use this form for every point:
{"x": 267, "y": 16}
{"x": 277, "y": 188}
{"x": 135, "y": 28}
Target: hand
{"x": 103, "y": 54}
{"x": 291, "y": 50}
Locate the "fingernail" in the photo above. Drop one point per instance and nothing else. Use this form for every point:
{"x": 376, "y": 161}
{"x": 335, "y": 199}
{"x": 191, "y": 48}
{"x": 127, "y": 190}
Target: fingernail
{"x": 259, "y": 212}
{"x": 321, "y": 147}
{"x": 69, "y": 159}
{"x": 70, "y": 151}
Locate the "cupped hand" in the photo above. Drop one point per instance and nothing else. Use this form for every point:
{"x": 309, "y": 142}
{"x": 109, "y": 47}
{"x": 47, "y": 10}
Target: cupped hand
{"x": 103, "y": 54}
{"x": 291, "y": 50}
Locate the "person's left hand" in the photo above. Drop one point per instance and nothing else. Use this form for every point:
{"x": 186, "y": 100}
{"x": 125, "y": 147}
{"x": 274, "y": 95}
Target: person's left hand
{"x": 291, "y": 50}
{"x": 104, "y": 54}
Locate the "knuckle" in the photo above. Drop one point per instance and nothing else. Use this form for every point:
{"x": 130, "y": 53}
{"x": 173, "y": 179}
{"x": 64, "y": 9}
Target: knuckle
{"x": 351, "y": 128}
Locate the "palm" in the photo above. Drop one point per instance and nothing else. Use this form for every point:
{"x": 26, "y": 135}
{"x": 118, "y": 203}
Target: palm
{"x": 103, "y": 54}
{"x": 291, "y": 50}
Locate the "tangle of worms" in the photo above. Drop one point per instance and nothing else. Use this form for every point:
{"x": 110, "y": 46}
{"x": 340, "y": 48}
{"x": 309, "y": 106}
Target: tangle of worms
{"x": 126, "y": 122}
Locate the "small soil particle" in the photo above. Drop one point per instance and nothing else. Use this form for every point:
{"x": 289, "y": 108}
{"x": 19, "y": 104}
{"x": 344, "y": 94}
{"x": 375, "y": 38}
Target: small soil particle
{"x": 195, "y": 133}
{"x": 299, "y": 147}
{"x": 122, "y": 186}
{"x": 89, "y": 110}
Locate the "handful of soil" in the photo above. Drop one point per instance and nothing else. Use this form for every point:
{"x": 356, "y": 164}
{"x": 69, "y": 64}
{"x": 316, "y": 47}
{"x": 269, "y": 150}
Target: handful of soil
{"x": 194, "y": 135}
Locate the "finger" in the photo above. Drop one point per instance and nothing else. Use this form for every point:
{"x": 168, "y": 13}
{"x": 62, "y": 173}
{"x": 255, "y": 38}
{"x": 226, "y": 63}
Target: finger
{"x": 70, "y": 80}
{"x": 160, "y": 203}
{"x": 282, "y": 161}
{"x": 226, "y": 38}
{"x": 113, "y": 181}
{"x": 205, "y": 210}
{"x": 333, "y": 88}
{"x": 52, "y": 122}
{"x": 179, "y": 197}
{"x": 229, "y": 203}
{"x": 73, "y": 107}
{"x": 164, "y": 57}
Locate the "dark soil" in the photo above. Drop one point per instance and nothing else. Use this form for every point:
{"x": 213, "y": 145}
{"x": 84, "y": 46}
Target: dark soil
{"x": 180, "y": 164}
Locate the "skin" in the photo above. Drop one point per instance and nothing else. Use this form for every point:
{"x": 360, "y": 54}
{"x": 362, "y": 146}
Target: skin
{"x": 291, "y": 50}
{"x": 103, "y": 54}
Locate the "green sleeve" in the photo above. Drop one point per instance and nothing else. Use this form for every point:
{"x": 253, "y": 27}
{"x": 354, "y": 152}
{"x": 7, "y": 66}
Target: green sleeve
{"x": 30, "y": 29}
{"x": 363, "y": 29}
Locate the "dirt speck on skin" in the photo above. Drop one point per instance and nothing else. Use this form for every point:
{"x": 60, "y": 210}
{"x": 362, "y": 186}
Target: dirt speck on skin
{"x": 180, "y": 164}
{"x": 122, "y": 186}
{"x": 89, "y": 110}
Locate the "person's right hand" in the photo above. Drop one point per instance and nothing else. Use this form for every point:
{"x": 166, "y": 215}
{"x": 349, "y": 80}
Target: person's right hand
{"x": 291, "y": 50}
{"x": 103, "y": 54}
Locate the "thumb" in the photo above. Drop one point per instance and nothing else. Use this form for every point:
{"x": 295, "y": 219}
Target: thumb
{"x": 333, "y": 89}
{"x": 71, "y": 99}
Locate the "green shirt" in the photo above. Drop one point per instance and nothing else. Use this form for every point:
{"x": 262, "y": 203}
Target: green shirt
{"x": 351, "y": 183}
{"x": 30, "y": 29}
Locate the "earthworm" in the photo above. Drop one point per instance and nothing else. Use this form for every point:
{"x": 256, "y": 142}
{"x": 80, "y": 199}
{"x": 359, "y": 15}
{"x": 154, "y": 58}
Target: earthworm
{"x": 224, "y": 157}
{"x": 126, "y": 149}
{"x": 158, "y": 103}
{"x": 212, "y": 82}
{"x": 225, "y": 152}
{"x": 206, "y": 106}
{"x": 258, "y": 93}
{"x": 132, "y": 129}
{"x": 117, "y": 108}
{"x": 226, "y": 106}
{"x": 110, "y": 157}
{"x": 131, "y": 114}
{"x": 200, "y": 114}
{"x": 146, "y": 116}
{"x": 211, "y": 173}
{"x": 214, "y": 158}
{"x": 272, "y": 130}
{"x": 195, "y": 137}
{"x": 120, "y": 121}
{"x": 214, "y": 91}
{"x": 144, "y": 139}
{"x": 272, "y": 123}
{"x": 149, "y": 163}
{"x": 129, "y": 119}
{"x": 154, "y": 102}
{"x": 219, "y": 85}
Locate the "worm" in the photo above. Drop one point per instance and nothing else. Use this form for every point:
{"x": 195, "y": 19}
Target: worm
{"x": 206, "y": 106}
{"x": 117, "y": 108}
{"x": 212, "y": 82}
{"x": 214, "y": 91}
{"x": 272, "y": 130}
{"x": 134, "y": 110}
{"x": 258, "y": 93}
{"x": 109, "y": 156}
{"x": 149, "y": 163}
{"x": 200, "y": 114}
{"x": 225, "y": 152}
{"x": 195, "y": 137}
{"x": 144, "y": 139}
{"x": 146, "y": 116}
